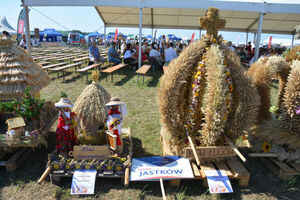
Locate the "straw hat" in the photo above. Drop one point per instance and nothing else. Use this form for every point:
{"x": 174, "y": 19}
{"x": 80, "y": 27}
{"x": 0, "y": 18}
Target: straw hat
{"x": 114, "y": 102}
{"x": 64, "y": 102}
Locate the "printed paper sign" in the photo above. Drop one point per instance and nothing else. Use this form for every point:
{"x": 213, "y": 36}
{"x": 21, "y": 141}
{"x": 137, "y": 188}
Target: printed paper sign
{"x": 83, "y": 182}
{"x": 90, "y": 152}
{"x": 166, "y": 167}
{"x": 218, "y": 181}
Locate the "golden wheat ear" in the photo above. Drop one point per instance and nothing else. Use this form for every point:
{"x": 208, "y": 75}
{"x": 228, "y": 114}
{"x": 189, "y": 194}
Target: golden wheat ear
{"x": 95, "y": 75}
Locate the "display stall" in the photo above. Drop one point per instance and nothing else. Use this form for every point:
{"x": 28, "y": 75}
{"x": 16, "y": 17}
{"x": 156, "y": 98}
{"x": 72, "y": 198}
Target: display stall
{"x": 90, "y": 136}
{"x": 25, "y": 118}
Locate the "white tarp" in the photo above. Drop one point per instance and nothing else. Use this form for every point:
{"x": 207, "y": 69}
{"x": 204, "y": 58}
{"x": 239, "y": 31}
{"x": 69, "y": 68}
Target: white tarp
{"x": 5, "y": 26}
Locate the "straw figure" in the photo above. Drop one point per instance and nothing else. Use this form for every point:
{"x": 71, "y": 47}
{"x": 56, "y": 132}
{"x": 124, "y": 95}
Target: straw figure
{"x": 293, "y": 54}
{"x": 212, "y": 23}
{"x": 281, "y": 135}
{"x": 90, "y": 107}
{"x": 65, "y": 132}
{"x": 205, "y": 94}
{"x": 18, "y": 71}
{"x": 262, "y": 72}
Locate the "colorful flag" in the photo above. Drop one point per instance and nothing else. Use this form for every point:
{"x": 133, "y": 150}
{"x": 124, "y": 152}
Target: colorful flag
{"x": 116, "y": 35}
{"x": 270, "y": 42}
{"x": 21, "y": 23}
{"x": 193, "y": 36}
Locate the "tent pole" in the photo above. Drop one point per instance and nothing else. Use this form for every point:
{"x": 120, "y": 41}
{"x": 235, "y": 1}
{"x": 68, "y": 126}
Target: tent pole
{"x": 104, "y": 31}
{"x": 27, "y": 30}
{"x": 246, "y": 37}
{"x": 293, "y": 37}
{"x": 200, "y": 33}
{"x": 258, "y": 36}
{"x": 140, "y": 37}
{"x": 152, "y": 33}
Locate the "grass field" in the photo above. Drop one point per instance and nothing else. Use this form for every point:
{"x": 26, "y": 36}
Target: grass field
{"x": 144, "y": 119}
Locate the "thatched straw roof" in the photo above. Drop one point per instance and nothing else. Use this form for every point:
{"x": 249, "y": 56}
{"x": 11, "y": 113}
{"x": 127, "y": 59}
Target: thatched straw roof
{"x": 90, "y": 106}
{"x": 18, "y": 71}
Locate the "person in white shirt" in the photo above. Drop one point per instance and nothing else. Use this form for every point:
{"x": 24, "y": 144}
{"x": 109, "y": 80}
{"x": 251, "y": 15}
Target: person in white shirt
{"x": 170, "y": 53}
{"x": 123, "y": 46}
{"x": 162, "y": 44}
{"x": 229, "y": 44}
{"x": 146, "y": 48}
{"x": 129, "y": 56}
{"x": 155, "y": 57}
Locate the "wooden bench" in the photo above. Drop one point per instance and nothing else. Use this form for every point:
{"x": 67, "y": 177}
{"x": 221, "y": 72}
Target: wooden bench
{"x": 81, "y": 59}
{"x": 65, "y": 58}
{"x": 111, "y": 70}
{"x": 86, "y": 69}
{"x": 44, "y": 63}
{"x": 49, "y": 58}
{"x": 54, "y": 65}
{"x": 63, "y": 68}
{"x": 143, "y": 70}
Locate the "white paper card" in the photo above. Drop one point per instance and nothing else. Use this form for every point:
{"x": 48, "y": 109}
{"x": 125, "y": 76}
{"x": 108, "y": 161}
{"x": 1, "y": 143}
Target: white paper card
{"x": 83, "y": 182}
{"x": 218, "y": 181}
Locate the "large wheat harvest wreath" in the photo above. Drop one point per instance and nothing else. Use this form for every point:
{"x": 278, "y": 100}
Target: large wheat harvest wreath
{"x": 280, "y": 134}
{"x": 206, "y": 93}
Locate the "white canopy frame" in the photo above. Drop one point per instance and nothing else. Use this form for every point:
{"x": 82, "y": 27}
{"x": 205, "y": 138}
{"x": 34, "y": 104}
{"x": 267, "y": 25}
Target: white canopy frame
{"x": 285, "y": 12}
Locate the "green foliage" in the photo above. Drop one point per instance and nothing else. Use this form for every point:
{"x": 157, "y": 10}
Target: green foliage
{"x": 63, "y": 95}
{"x": 285, "y": 53}
{"x": 273, "y": 109}
{"x": 29, "y": 107}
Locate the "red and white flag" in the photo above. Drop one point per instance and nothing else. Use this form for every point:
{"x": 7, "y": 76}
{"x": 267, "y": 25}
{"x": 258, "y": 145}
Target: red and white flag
{"x": 116, "y": 35}
{"x": 193, "y": 36}
{"x": 270, "y": 42}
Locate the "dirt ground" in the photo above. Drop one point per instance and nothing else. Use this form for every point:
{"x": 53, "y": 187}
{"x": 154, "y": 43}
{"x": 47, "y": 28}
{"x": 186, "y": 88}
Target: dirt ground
{"x": 144, "y": 120}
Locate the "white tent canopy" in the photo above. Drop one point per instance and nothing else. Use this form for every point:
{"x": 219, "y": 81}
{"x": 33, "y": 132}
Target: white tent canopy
{"x": 5, "y": 26}
{"x": 239, "y": 21}
{"x": 280, "y": 16}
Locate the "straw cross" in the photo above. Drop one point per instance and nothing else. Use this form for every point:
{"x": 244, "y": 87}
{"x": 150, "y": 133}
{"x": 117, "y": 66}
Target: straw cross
{"x": 212, "y": 23}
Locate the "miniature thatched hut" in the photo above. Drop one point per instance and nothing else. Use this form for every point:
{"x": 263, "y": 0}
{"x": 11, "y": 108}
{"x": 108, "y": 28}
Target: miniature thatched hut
{"x": 18, "y": 71}
{"x": 90, "y": 106}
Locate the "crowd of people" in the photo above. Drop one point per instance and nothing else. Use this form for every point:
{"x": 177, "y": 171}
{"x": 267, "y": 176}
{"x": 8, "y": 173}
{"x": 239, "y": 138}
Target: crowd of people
{"x": 159, "y": 53}
{"x": 246, "y": 52}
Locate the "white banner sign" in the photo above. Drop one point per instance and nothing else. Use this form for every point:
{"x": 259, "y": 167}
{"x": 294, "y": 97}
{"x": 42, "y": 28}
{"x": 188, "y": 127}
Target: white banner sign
{"x": 83, "y": 182}
{"x": 218, "y": 181}
{"x": 165, "y": 167}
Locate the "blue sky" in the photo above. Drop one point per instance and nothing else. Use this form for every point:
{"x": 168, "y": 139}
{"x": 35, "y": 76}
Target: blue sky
{"x": 86, "y": 19}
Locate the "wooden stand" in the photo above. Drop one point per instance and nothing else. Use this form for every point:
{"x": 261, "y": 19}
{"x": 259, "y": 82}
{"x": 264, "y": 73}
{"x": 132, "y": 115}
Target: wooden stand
{"x": 283, "y": 170}
{"x": 220, "y": 158}
{"x": 57, "y": 175}
{"x": 15, "y": 159}
{"x": 232, "y": 166}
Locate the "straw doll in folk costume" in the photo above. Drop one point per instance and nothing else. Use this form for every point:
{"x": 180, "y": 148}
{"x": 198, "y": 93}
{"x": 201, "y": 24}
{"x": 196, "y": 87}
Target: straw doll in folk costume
{"x": 116, "y": 113}
{"x": 65, "y": 132}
